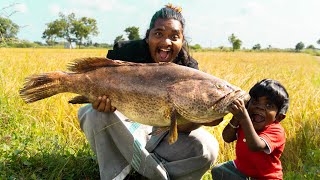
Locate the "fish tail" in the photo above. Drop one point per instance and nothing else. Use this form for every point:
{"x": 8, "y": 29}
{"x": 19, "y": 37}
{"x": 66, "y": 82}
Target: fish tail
{"x": 42, "y": 86}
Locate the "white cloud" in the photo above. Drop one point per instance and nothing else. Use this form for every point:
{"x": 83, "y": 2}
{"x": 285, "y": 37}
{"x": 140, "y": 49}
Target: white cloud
{"x": 54, "y": 8}
{"x": 20, "y": 7}
{"x": 95, "y": 4}
{"x": 102, "y": 5}
{"x": 253, "y": 9}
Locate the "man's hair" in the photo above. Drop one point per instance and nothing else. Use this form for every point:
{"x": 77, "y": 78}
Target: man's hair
{"x": 275, "y": 92}
{"x": 168, "y": 12}
{"x": 172, "y": 12}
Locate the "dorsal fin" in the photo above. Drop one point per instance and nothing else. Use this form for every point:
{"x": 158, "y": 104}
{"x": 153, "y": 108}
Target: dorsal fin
{"x": 91, "y": 63}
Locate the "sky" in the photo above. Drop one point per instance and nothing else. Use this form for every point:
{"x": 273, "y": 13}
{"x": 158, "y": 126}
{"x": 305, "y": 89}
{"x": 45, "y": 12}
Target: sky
{"x": 279, "y": 23}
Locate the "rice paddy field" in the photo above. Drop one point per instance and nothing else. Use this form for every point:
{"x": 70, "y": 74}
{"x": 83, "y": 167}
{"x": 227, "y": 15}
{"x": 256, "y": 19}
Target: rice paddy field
{"x": 43, "y": 140}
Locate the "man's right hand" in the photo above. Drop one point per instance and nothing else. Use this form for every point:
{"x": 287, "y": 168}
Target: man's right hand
{"x": 103, "y": 104}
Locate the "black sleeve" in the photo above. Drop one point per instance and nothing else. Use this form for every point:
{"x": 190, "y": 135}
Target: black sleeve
{"x": 189, "y": 62}
{"x": 193, "y": 63}
{"x": 132, "y": 51}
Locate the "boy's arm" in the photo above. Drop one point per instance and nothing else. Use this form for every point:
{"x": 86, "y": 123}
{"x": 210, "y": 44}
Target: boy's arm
{"x": 254, "y": 142}
{"x": 229, "y": 133}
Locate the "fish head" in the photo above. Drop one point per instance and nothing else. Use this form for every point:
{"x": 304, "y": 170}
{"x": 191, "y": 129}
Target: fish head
{"x": 203, "y": 101}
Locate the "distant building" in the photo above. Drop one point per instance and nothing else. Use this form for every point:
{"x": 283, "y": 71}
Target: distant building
{"x": 67, "y": 45}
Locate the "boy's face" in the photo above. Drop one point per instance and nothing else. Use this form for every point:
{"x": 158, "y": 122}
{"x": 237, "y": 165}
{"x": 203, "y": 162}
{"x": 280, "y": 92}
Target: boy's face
{"x": 262, "y": 112}
{"x": 165, "y": 40}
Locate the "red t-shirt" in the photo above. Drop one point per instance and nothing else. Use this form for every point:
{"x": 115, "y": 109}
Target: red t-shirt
{"x": 262, "y": 164}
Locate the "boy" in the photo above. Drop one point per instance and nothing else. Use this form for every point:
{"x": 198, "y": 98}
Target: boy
{"x": 260, "y": 137}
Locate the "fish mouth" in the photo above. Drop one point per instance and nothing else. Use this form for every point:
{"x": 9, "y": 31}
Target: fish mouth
{"x": 164, "y": 54}
{"x": 222, "y": 105}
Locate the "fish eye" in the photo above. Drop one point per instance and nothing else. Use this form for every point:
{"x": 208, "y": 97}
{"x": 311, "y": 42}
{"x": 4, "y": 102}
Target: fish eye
{"x": 218, "y": 86}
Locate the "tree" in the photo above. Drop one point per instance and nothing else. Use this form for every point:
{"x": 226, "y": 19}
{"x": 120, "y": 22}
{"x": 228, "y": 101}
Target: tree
{"x": 70, "y": 29}
{"x": 119, "y": 38}
{"x": 256, "y": 47}
{"x": 310, "y": 47}
{"x": 196, "y": 47}
{"x": 299, "y": 46}
{"x": 235, "y": 42}
{"x": 83, "y": 27}
{"x": 318, "y": 41}
{"x": 8, "y": 29}
{"x": 54, "y": 30}
{"x": 60, "y": 28}
{"x": 133, "y": 33}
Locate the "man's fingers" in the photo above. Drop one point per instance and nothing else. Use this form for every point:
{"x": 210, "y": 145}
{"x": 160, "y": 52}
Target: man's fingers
{"x": 102, "y": 104}
{"x": 107, "y": 107}
{"x": 96, "y": 103}
{"x": 113, "y": 109}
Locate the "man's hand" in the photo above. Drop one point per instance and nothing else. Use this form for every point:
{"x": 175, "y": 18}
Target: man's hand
{"x": 103, "y": 104}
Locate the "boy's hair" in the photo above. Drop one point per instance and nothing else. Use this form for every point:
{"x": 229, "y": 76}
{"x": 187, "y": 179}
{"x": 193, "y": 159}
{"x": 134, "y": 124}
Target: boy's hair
{"x": 275, "y": 92}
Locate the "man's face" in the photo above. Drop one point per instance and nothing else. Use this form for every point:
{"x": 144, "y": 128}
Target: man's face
{"x": 165, "y": 40}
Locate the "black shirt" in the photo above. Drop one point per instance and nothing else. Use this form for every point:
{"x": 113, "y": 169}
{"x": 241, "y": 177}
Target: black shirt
{"x": 138, "y": 51}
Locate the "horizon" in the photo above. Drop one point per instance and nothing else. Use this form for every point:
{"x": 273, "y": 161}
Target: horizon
{"x": 281, "y": 24}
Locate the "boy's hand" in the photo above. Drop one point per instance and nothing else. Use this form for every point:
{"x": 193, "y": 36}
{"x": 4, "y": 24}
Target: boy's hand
{"x": 103, "y": 104}
{"x": 238, "y": 109}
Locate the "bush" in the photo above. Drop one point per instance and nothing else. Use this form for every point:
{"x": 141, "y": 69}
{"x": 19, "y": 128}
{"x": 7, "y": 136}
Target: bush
{"x": 22, "y": 44}
{"x": 196, "y": 47}
{"x": 313, "y": 52}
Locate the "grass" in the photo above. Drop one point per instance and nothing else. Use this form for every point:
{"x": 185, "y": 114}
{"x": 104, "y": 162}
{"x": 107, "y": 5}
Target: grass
{"x": 43, "y": 140}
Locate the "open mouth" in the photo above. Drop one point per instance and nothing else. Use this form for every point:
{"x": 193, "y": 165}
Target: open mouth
{"x": 164, "y": 55}
{"x": 257, "y": 118}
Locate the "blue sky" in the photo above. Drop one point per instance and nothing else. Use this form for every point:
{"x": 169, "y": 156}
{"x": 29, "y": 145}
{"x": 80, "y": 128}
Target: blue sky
{"x": 279, "y": 23}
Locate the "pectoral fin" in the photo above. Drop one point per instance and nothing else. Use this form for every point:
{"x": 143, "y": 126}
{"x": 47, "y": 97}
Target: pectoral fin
{"x": 173, "y": 132}
{"x": 79, "y": 100}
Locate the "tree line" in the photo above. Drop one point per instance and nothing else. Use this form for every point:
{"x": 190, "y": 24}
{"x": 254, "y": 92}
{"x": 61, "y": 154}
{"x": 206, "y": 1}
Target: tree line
{"x": 80, "y": 30}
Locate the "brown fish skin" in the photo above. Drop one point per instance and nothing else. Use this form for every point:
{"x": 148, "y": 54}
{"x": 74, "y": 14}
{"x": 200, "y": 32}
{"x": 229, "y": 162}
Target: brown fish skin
{"x": 150, "y": 93}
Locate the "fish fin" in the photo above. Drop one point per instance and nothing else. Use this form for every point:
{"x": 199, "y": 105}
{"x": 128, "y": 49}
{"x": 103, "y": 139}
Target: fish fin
{"x": 79, "y": 100}
{"x": 42, "y": 86}
{"x": 159, "y": 130}
{"x": 173, "y": 132}
{"x": 91, "y": 63}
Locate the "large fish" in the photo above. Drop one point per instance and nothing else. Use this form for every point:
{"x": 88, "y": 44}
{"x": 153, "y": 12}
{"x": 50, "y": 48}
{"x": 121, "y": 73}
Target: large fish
{"x": 156, "y": 94}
